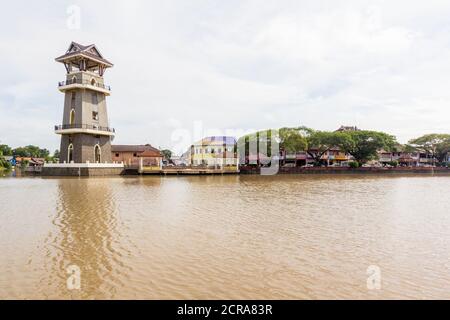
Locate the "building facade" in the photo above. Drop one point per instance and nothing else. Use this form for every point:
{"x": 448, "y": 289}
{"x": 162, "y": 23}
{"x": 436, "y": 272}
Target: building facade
{"x": 215, "y": 151}
{"x": 131, "y": 155}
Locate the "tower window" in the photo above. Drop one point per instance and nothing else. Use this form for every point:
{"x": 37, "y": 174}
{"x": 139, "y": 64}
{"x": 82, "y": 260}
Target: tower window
{"x": 97, "y": 153}
{"x": 94, "y": 98}
{"x": 72, "y": 103}
{"x": 70, "y": 153}
{"x": 72, "y": 117}
{"x": 95, "y": 115}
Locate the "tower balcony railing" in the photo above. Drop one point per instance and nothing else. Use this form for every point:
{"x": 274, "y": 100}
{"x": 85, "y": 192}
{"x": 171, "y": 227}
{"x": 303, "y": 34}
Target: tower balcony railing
{"x": 87, "y": 128}
{"x": 84, "y": 82}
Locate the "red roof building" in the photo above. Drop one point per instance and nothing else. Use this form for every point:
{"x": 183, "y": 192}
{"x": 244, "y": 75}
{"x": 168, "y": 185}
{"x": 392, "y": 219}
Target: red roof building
{"x": 130, "y": 154}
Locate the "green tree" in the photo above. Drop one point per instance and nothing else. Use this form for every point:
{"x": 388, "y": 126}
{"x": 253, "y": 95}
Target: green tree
{"x": 5, "y": 150}
{"x": 4, "y": 164}
{"x": 363, "y": 145}
{"x": 409, "y": 148}
{"x": 320, "y": 142}
{"x": 31, "y": 151}
{"x": 434, "y": 144}
{"x": 166, "y": 153}
{"x": 24, "y": 164}
{"x": 260, "y": 141}
{"x": 353, "y": 164}
{"x": 292, "y": 140}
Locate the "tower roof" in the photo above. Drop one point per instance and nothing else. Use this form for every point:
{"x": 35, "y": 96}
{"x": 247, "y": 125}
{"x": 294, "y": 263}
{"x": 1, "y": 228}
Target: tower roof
{"x": 348, "y": 128}
{"x": 77, "y": 52}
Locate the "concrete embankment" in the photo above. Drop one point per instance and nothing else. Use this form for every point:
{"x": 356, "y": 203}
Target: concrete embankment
{"x": 346, "y": 170}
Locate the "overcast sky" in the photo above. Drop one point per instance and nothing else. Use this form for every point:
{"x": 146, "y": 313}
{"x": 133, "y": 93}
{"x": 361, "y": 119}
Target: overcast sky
{"x": 184, "y": 68}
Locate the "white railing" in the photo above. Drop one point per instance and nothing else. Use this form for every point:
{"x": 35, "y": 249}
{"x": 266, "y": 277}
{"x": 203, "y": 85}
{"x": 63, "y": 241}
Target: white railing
{"x": 84, "y": 165}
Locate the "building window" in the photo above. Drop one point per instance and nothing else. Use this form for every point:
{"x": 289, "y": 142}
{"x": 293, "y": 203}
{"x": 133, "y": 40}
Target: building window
{"x": 95, "y": 115}
{"x": 97, "y": 153}
{"x": 94, "y": 98}
{"x": 72, "y": 117}
{"x": 117, "y": 155}
{"x": 70, "y": 153}
{"x": 72, "y": 101}
{"x": 134, "y": 154}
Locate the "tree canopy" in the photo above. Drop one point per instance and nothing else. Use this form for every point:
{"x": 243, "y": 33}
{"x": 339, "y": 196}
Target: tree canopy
{"x": 167, "y": 154}
{"x": 3, "y": 163}
{"x": 292, "y": 140}
{"x": 363, "y": 145}
{"x": 5, "y": 150}
{"x": 434, "y": 144}
{"x": 261, "y": 141}
{"x": 320, "y": 142}
{"x": 31, "y": 151}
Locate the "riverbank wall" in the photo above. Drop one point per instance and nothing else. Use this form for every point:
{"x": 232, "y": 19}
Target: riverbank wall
{"x": 80, "y": 169}
{"x": 81, "y": 172}
{"x": 347, "y": 170}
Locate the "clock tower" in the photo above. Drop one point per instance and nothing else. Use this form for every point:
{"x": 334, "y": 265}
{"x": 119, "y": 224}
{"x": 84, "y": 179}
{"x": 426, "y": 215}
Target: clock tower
{"x": 85, "y": 132}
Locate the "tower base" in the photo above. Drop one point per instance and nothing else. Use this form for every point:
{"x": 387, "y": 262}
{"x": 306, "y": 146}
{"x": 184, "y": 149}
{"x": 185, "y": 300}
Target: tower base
{"x": 82, "y": 169}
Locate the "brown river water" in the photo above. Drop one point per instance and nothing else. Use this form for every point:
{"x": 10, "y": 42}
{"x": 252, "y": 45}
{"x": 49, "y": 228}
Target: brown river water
{"x": 225, "y": 237}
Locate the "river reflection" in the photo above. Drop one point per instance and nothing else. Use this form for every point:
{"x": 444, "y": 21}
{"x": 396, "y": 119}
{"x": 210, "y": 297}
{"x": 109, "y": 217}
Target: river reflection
{"x": 239, "y": 237}
{"x": 85, "y": 235}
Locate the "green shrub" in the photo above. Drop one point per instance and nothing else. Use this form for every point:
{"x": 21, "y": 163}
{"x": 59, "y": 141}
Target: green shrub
{"x": 5, "y": 164}
{"x": 24, "y": 164}
{"x": 353, "y": 164}
{"x": 393, "y": 163}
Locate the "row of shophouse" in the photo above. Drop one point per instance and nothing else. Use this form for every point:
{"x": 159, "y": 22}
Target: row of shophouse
{"x": 215, "y": 151}
{"x": 222, "y": 151}
{"x": 219, "y": 151}
{"x": 336, "y": 157}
